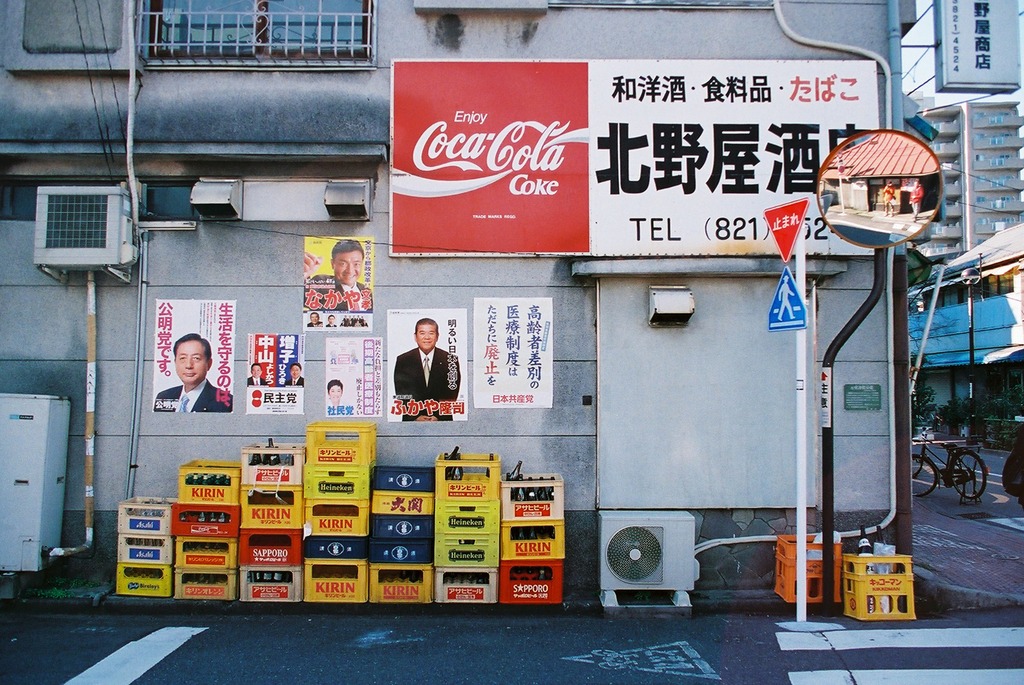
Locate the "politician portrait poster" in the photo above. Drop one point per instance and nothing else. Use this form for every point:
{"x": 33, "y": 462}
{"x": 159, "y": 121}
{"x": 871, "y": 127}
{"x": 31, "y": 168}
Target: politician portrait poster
{"x": 354, "y": 379}
{"x": 194, "y": 351}
{"x": 276, "y": 378}
{"x": 427, "y": 365}
{"x": 337, "y": 276}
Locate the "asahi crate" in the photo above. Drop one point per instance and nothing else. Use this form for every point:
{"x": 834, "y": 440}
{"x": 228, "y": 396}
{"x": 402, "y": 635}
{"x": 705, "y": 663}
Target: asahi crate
{"x": 268, "y": 466}
{"x": 385, "y": 526}
{"x": 336, "y": 581}
{"x": 145, "y": 516}
{"x": 404, "y": 478}
{"x": 878, "y": 588}
{"x": 341, "y": 443}
{"x": 210, "y": 520}
{"x": 206, "y": 584}
{"x": 206, "y": 553}
{"x": 336, "y": 547}
{"x": 533, "y": 540}
{"x": 465, "y": 549}
{"x": 209, "y": 482}
{"x": 470, "y": 478}
{"x": 337, "y": 482}
{"x": 467, "y": 517}
{"x": 401, "y": 583}
{"x": 335, "y": 517}
{"x": 537, "y": 497}
{"x": 401, "y": 551}
{"x": 259, "y": 547}
{"x": 270, "y": 583}
{"x": 277, "y": 508}
{"x": 401, "y": 502}
{"x": 144, "y": 580}
{"x": 145, "y": 549}
{"x": 465, "y": 585}
{"x": 537, "y": 581}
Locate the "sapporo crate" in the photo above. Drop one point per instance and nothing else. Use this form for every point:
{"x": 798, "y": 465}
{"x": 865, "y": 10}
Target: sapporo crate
{"x": 278, "y": 465}
{"x": 388, "y": 527}
{"x": 401, "y": 583}
{"x": 401, "y": 502}
{"x": 144, "y": 580}
{"x": 404, "y": 478}
{"x": 336, "y": 547}
{"x": 270, "y": 583}
{"x": 465, "y": 585}
{"x": 206, "y": 584}
{"x": 537, "y": 496}
{"x": 472, "y": 477}
{"x": 530, "y": 582}
{"x": 878, "y": 588}
{"x": 467, "y": 517}
{"x": 145, "y": 515}
{"x": 333, "y": 517}
{"x": 401, "y": 551}
{"x": 336, "y": 581}
{"x": 206, "y": 552}
{"x": 337, "y": 482}
{"x": 257, "y": 547}
{"x": 209, "y": 482}
{"x": 785, "y": 569}
{"x": 211, "y": 520}
{"x": 341, "y": 443}
{"x": 533, "y": 540}
{"x": 278, "y": 508}
{"x": 145, "y": 549}
{"x": 465, "y": 549}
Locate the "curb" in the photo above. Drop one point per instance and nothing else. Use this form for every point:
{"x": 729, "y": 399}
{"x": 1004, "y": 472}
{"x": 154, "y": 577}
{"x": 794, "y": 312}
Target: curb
{"x": 936, "y": 595}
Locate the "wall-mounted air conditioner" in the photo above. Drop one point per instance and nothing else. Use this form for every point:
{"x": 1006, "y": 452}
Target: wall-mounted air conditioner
{"x": 83, "y": 228}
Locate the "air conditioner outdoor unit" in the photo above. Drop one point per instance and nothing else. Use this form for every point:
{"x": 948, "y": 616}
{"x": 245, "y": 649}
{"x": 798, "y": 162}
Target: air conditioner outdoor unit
{"x": 83, "y": 228}
{"x": 647, "y": 550}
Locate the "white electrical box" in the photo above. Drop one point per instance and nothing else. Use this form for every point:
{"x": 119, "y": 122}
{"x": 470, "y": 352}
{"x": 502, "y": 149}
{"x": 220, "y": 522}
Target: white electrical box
{"x": 33, "y": 463}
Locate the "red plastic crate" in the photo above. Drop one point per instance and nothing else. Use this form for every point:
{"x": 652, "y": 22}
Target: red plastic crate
{"x": 210, "y": 520}
{"x": 538, "y": 581}
{"x": 269, "y": 547}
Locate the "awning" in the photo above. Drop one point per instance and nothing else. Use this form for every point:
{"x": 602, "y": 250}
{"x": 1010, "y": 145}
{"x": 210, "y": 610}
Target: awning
{"x": 1013, "y": 354}
{"x": 999, "y": 270}
{"x": 1007, "y": 355}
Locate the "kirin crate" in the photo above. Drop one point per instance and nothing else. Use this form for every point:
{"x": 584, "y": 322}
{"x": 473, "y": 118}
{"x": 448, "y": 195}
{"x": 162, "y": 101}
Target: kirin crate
{"x": 212, "y": 520}
{"x": 268, "y": 466}
{"x": 878, "y": 588}
{"x": 259, "y": 547}
{"x": 401, "y": 502}
{"x": 465, "y": 585}
{"x": 336, "y": 581}
{"x": 145, "y": 516}
{"x": 785, "y": 569}
{"x": 337, "y": 482}
{"x": 206, "y": 553}
{"x": 465, "y": 549}
{"x": 334, "y": 517}
{"x": 471, "y": 478}
{"x": 404, "y": 478}
{"x": 206, "y": 584}
{"x": 401, "y": 583}
{"x": 144, "y": 580}
{"x": 209, "y": 482}
{"x": 270, "y": 583}
{"x": 538, "y": 497}
{"x": 530, "y": 582}
{"x": 277, "y": 508}
{"x": 533, "y": 540}
{"x": 452, "y": 516}
{"x": 341, "y": 443}
{"x": 145, "y": 549}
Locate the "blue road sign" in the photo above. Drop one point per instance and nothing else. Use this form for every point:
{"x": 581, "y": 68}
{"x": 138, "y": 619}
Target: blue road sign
{"x": 787, "y": 312}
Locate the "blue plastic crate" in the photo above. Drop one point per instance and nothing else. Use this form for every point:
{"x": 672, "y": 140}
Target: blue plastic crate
{"x": 401, "y": 551}
{"x": 334, "y": 547}
{"x": 411, "y": 478}
{"x": 399, "y": 527}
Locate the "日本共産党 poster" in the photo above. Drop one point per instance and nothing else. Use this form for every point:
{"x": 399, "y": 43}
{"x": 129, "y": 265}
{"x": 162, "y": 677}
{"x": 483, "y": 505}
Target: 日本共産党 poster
{"x": 512, "y": 353}
{"x": 338, "y": 283}
{"x": 426, "y": 359}
{"x": 354, "y": 378}
{"x": 276, "y": 380}
{"x": 193, "y": 356}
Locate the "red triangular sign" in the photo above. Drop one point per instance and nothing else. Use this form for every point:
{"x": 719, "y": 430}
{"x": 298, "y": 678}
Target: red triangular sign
{"x": 785, "y": 222}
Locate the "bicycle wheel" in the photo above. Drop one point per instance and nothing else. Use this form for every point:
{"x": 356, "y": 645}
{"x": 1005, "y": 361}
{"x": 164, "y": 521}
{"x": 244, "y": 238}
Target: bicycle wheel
{"x": 925, "y": 476}
{"x": 969, "y": 474}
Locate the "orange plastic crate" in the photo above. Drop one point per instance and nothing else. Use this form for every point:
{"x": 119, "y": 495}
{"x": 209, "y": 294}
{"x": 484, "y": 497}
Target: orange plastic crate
{"x": 785, "y": 570}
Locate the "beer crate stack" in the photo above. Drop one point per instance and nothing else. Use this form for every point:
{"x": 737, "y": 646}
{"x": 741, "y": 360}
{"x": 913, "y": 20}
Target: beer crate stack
{"x": 466, "y": 527}
{"x": 145, "y": 548}
{"x": 340, "y": 456}
{"x": 270, "y": 537}
{"x": 402, "y": 535}
{"x": 532, "y": 538}
{"x": 205, "y": 523}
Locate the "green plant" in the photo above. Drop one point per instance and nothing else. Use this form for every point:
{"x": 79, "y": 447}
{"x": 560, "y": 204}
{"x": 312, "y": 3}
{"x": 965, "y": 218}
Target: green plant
{"x": 922, "y": 405}
{"x": 1000, "y": 433}
{"x": 955, "y": 413}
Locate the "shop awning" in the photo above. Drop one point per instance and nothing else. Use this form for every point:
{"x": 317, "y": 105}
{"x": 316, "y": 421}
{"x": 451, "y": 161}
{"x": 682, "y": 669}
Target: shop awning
{"x": 1007, "y": 355}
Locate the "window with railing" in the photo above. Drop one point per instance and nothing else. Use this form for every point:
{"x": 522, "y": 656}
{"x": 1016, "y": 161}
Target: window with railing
{"x": 285, "y": 33}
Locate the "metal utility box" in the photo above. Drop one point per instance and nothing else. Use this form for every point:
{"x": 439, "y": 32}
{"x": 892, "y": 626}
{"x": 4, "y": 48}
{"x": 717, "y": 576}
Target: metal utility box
{"x": 33, "y": 459}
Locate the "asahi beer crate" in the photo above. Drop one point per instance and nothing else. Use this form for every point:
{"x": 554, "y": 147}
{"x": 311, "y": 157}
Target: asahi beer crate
{"x": 470, "y": 478}
{"x": 210, "y": 520}
{"x": 336, "y": 581}
{"x": 534, "y": 540}
{"x": 401, "y": 551}
{"x": 404, "y": 478}
{"x": 145, "y": 516}
{"x": 401, "y": 583}
{"x": 401, "y": 502}
{"x": 530, "y": 582}
{"x": 209, "y": 482}
{"x": 144, "y": 580}
{"x": 278, "y": 508}
{"x": 537, "y": 497}
{"x": 259, "y": 547}
{"x": 206, "y": 584}
{"x": 878, "y": 588}
{"x": 465, "y": 549}
{"x": 337, "y": 482}
{"x": 465, "y": 585}
{"x": 336, "y": 547}
{"x": 270, "y": 583}
{"x": 467, "y": 517}
{"x": 335, "y": 517}
{"x": 388, "y": 527}
{"x": 145, "y": 549}
{"x": 206, "y": 553}
{"x": 268, "y": 466}
{"x": 341, "y": 443}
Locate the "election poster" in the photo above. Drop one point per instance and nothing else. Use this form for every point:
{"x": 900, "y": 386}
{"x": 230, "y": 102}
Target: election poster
{"x": 426, "y": 359}
{"x": 276, "y": 381}
{"x": 354, "y": 378}
{"x": 338, "y": 284}
{"x": 512, "y": 353}
{"x": 194, "y": 350}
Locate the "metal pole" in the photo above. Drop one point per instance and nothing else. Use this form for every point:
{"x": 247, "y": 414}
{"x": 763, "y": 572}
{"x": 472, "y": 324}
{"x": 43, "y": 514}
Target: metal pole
{"x": 970, "y": 365}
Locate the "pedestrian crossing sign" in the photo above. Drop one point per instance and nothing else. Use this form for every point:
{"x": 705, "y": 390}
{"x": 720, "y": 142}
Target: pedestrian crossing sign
{"x": 787, "y": 312}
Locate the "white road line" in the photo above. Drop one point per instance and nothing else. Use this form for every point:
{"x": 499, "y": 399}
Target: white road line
{"x": 127, "y": 664}
{"x": 910, "y": 638}
{"x": 1015, "y": 523}
{"x": 909, "y": 677}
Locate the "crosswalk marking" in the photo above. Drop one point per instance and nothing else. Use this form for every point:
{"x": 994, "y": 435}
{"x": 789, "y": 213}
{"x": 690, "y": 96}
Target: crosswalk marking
{"x": 1015, "y": 523}
{"x": 127, "y": 664}
{"x": 910, "y": 638}
{"x": 909, "y": 677}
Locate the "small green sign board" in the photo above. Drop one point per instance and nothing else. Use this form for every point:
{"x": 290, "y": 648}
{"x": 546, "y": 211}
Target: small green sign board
{"x": 862, "y": 397}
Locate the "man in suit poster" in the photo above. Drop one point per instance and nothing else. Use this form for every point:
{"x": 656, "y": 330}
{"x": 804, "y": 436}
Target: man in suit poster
{"x": 426, "y": 380}
{"x": 194, "y": 356}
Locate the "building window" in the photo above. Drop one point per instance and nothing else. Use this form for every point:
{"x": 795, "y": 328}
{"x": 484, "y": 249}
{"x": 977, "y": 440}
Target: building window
{"x": 168, "y": 203}
{"x": 272, "y": 33}
{"x": 18, "y": 202}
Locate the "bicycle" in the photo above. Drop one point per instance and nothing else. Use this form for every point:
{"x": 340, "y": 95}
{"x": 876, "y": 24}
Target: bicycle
{"x": 963, "y": 470}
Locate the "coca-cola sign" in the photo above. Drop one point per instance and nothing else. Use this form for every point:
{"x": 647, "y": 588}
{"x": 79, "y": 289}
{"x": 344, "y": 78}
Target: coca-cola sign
{"x": 490, "y": 157}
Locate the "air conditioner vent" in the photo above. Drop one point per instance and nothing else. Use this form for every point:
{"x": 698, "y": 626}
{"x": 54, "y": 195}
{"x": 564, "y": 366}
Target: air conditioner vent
{"x": 83, "y": 228}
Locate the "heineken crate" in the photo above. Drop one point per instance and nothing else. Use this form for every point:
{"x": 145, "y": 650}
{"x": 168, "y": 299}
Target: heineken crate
{"x": 401, "y": 551}
{"x": 465, "y": 549}
{"x": 465, "y": 585}
{"x": 404, "y": 478}
{"x": 471, "y": 478}
{"x": 401, "y": 583}
{"x": 401, "y": 502}
{"x": 878, "y": 588}
{"x": 336, "y": 517}
{"x": 206, "y": 584}
{"x": 144, "y": 580}
{"x": 145, "y": 549}
{"x": 145, "y": 516}
{"x": 341, "y": 443}
{"x": 337, "y": 482}
{"x": 533, "y": 540}
{"x": 538, "y": 581}
{"x": 336, "y": 581}
{"x": 270, "y": 583}
{"x": 268, "y": 466}
{"x": 206, "y": 553}
{"x": 458, "y": 517}
{"x": 538, "y": 496}
{"x": 259, "y": 547}
{"x": 205, "y": 520}
{"x": 389, "y": 527}
{"x": 277, "y": 508}
{"x": 209, "y": 482}
{"x": 336, "y": 547}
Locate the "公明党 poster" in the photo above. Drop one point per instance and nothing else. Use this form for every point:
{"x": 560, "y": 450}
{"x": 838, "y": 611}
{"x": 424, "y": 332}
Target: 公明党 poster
{"x": 193, "y": 356}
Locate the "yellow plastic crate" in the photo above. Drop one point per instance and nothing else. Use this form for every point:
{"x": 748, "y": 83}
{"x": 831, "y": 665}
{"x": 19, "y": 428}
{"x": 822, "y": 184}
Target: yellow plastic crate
{"x": 336, "y": 517}
{"x": 869, "y": 595}
{"x": 145, "y": 516}
{"x": 451, "y": 516}
{"x": 145, "y": 549}
{"x": 402, "y": 502}
{"x": 472, "y": 477}
{"x": 539, "y": 496}
{"x": 401, "y": 583}
{"x": 209, "y": 482}
{"x": 278, "y": 508}
{"x": 206, "y": 584}
{"x": 270, "y": 583}
{"x": 206, "y": 553}
{"x": 144, "y": 580}
{"x": 465, "y": 585}
{"x": 341, "y": 443}
{"x": 336, "y": 482}
{"x": 533, "y": 540}
{"x": 465, "y": 549}
{"x": 264, "y": 466}
{"x": 336, "y": 581}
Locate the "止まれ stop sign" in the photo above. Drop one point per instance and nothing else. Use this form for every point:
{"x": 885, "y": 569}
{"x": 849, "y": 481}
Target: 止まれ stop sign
{"x": 785, "y": 222}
